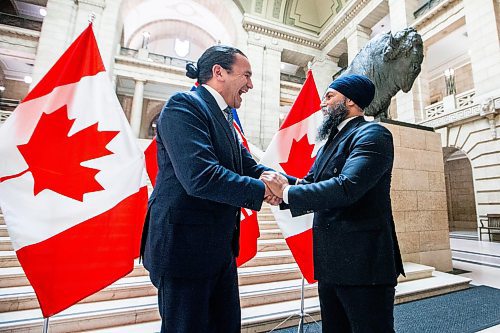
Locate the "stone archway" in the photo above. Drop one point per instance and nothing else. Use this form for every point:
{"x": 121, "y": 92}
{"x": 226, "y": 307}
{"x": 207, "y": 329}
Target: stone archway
{"x": 460, "y": 195}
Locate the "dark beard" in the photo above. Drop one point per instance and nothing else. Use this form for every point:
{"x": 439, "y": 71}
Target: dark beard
{"x": 333, "y": 118}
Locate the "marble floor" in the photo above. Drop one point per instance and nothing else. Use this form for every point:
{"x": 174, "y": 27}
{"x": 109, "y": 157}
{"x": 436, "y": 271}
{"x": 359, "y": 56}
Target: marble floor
{"x": 481, "y": 260}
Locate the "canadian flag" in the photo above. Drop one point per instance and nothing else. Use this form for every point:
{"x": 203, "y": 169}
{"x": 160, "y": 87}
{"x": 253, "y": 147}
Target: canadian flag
{"x": 293, "y": 150}
{"x": 249, "y": 225}
{"x": 72, "y": 181}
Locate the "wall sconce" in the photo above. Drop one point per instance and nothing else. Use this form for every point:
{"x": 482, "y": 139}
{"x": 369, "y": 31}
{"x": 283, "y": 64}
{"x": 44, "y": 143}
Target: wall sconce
{"x": 449, "y": 79}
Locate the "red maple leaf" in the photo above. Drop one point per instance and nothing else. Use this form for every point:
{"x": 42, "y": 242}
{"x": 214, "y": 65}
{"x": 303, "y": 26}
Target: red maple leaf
{"x": 299, "y": 159}
{"x": 54, "y": 158}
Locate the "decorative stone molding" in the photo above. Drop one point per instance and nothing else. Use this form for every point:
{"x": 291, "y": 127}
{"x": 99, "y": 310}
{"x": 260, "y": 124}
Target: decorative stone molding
{"x": 342, "y": 20}
{"x": 148, "y": 64}
{"x": 279, "y": 31}
{"x": 96, "y": 3}
{"x": 489, "y": 110}
{"x": 433, "y": 12}
{"x": 453, "y": 117}
{"x": 10, "y": 30}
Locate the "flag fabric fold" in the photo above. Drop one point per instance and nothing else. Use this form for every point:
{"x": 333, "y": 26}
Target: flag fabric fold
{"x": 293, "y": 150}
{"x": 249, "y": 225}
{"x": 72, "y": 181}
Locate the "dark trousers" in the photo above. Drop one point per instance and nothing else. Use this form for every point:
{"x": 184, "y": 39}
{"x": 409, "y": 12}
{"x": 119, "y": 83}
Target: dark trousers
{"x": 201, "y": 305}
{"x": 356, "y": 309}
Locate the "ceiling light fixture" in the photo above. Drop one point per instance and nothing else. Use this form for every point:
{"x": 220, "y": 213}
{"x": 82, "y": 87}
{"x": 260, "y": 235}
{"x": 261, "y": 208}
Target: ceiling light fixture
{"x": 28, "y": 79}
{"x": 43, "y": 12}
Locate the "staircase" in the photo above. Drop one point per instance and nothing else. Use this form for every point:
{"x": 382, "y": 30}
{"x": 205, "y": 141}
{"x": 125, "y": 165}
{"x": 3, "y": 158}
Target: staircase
{"x": 270, "y": 288}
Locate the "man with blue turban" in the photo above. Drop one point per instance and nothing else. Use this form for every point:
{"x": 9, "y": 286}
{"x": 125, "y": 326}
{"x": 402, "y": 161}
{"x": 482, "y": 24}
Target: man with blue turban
{"x": 356, "y": 253}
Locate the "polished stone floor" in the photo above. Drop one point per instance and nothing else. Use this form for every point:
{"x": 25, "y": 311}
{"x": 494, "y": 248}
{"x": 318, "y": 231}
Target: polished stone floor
{"x": 482, "y": 260}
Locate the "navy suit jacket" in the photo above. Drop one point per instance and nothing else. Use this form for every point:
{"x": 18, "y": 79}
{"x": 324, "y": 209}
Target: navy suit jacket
{"x": 348, "y": 189}
{"x": 204, "y": 178}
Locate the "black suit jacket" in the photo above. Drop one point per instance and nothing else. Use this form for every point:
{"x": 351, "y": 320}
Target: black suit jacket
{"x": 348, "y": 189}
{"x": 204, "y": 177}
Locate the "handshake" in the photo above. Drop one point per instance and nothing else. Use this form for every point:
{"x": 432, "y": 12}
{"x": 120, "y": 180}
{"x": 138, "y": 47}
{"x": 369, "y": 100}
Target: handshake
{"x": 275, "y": 184}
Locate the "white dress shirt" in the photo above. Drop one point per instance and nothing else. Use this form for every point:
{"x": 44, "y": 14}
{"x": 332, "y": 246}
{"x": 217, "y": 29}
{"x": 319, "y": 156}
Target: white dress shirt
{"x": 218, "y": 98}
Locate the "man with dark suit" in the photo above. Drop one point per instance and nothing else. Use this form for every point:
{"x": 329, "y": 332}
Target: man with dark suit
{"x": 190, "y": 238}
{"x": 356, "y": 252}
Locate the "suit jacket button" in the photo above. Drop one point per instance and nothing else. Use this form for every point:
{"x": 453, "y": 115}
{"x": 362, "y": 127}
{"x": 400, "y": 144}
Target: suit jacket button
{"x": 335, "y": 170}
{"x": 237, "y": 213}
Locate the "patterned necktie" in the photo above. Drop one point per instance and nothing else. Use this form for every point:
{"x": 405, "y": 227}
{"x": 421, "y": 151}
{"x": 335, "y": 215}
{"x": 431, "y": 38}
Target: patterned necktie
{"x": 230, "y": 118}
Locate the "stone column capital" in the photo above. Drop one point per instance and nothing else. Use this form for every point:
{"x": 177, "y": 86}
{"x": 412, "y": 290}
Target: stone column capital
{"x": 96, "y": 3}
{"x": 325, "y": 58}
{"x": 356, "y": 29}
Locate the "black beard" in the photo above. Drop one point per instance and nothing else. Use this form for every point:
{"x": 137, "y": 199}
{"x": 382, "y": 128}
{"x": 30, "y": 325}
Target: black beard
{"x": 333, "y": 118}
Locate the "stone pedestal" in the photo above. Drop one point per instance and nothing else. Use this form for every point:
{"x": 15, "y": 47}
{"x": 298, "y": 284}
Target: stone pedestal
{"x": 418, "y": 195}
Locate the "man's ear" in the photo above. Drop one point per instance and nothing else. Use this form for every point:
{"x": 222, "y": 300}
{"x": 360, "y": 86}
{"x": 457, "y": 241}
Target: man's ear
{"x": 349, "y": 102}
{"x": 217, "y": 72}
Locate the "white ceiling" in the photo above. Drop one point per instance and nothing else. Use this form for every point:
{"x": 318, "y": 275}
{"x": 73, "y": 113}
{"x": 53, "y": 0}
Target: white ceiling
{"x": 450, "y": 52}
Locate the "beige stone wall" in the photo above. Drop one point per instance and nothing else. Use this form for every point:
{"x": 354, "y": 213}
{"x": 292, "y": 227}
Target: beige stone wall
{"x": 418, "y": 195}
{"x": 463, "y": 82}
{"x": 463, "y": 78}
{"x": 15, "y": 89}
{"x": 460, "y": 191}
{"x": 126, "y": 103}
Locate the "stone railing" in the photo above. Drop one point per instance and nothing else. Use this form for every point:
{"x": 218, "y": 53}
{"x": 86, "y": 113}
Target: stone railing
{"x": 451, "y": 117}
{"x": 426, "y": 7}
{"x": 20, "y": 22}
{"x": 465, "y": 99}
{"x": 4, "y": 115}
{"x": 7, "y": 104}
{"x": 462, "y": 106}
{"x": 434, "y": 110}
{"x": 129, "y": 52}
{"x": 292, "y": 78}
{"x": 156, "y": 58}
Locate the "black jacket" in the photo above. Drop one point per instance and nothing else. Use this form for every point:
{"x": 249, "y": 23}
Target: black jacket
{"x": 348, "y": 189}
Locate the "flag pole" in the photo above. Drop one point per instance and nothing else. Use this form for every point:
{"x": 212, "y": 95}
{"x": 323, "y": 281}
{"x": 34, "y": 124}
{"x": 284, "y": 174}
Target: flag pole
{"x": 301, "y": 314}
{"x": 46, "y": 325}
{"x": 91, "y": 17}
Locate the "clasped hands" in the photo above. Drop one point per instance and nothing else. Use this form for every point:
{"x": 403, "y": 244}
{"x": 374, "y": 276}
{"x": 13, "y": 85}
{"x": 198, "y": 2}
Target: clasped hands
{"x": 275, "y": 184}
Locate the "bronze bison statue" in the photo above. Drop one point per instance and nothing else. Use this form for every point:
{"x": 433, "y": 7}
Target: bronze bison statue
{"x": 392, "y": 62}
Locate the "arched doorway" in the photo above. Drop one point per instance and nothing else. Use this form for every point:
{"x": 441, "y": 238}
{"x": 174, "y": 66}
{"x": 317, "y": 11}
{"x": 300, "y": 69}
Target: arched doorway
{"x": 462, "y": 215}
{"x": 152, "y": 127}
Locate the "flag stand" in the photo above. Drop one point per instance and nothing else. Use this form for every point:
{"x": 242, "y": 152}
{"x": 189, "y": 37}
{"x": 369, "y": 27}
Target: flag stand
{"x": 301, "y": 314}
{"x": 46, "y": 325}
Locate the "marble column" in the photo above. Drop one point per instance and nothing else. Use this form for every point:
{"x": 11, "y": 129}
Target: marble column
{"x": 85, "y": 9}
{"x": 262, "y": 103}
{"x": 55, "y": 36}
{"x": 357, "y": 37}
{"x": 114, "y": 82}
{"x": 251, "y": 112}
{"x": 323, "y": 69}
{"x": 137, "y": 102}
{"x": 407, "y": 104}
{"x": 401, "y": 13}
{"x": 272, "y": 87}
{"x": 66, "y": 20}
{"x": 484, "y": 49}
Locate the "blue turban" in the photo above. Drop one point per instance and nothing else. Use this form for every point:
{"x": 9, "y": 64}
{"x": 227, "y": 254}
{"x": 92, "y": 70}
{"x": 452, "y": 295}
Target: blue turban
{"x": 357, "y": 88}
